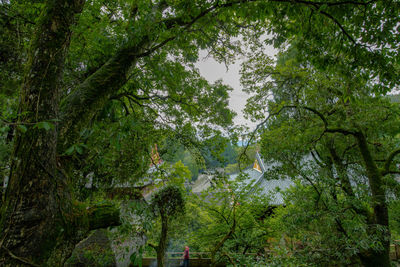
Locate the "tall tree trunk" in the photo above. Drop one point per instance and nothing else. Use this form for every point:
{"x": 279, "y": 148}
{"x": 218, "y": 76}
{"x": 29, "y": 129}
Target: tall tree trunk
{"x": 161, "y": 248}
{"x": 31, "y": 215}
{"x": 380, "y": 215}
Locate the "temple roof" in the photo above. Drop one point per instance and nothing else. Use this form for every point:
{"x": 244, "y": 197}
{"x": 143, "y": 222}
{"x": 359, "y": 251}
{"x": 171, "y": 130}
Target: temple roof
{"x": 270, "y": 187}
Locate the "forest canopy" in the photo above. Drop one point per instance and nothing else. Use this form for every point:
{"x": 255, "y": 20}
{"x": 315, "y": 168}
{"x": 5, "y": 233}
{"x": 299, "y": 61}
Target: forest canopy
{"x": 87, "y": 88}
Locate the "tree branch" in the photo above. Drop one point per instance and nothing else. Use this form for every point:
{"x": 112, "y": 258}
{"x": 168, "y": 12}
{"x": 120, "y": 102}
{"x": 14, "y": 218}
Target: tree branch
{"x": 313, "y": 110}
{"x": 341, "y": 130}
{"x": 220, "y": 214}
{"x": 229, "y": 258}
{"x": 82, "y": 104}
{"x": 389, "y": 161}
{"x": 79, "y": 107}
{"x": 340, "y": 26}
{"x": 333, "y": 3}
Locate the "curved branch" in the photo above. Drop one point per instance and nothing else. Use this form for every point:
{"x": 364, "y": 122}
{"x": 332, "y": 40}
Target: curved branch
{"x": 318, "y": 5}
{"x": 335, "y": 3}
{"x": 389, "y": 161}
{"x": 341, "y": 130}
{"x": 313, "y": 110}
{"x": 322, "y": 117}
{"x": 320, "y": 163}
{"x": 220, "y": 214}
{"x": 232, "y": 261}
{"x": 79, "y": 107}
{"x": 340, "y": 26}
{"x": 319, "y": 114}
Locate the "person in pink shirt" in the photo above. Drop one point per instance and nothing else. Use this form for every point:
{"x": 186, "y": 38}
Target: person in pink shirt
{"x": 186, "y": 257}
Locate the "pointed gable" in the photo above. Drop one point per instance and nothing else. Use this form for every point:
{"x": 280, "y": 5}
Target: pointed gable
{"x": 256, "y": 166}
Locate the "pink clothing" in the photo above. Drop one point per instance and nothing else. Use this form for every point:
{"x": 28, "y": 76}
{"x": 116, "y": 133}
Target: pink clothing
{"x": 186, "y": 254}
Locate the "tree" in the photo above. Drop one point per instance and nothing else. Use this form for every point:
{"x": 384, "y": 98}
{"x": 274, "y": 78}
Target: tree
{"x": 167, "y": 203}
{"x": 335, "y": 139}
{"x": 38, "y": 202}
{"x": 331, "y": 73}
{"x": 30, "y": 213}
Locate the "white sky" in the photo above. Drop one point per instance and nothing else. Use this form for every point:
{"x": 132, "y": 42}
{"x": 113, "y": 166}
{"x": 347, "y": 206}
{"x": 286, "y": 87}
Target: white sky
{"x": 212, "y": 71}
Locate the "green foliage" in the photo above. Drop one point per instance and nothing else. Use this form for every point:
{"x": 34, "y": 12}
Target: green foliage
{"x": 333, "y": 32}
{"x": 207, "y": 154}
{"x": 163, "y": 96}
{"x": 312, "y": 226}
{"x": 317, "y": 119}
{"x": 230, "y": 218}
{"x": 5, "y": 151}
{"x": 394, "y": 213}
{"x": 17, "y": 21}
{"x": 168, "y": 201}
{"x": 129, "y": 82}
{"x": 137, "y": 258}
{"x": 97, "y": 252}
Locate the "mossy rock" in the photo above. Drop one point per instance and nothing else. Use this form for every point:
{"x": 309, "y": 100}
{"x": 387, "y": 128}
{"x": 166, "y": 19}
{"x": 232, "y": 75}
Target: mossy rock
{"x": 94, "y": 251}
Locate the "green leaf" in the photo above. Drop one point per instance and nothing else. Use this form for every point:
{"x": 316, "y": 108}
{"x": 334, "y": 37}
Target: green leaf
{"x": 79, "y": 149}
{"x": 44, "y": 125}
{"x": 4, "y": 129}
{"x": 133, "y": 258}
{"x": 70, "y": 150}
{"x": 22, "y": 128}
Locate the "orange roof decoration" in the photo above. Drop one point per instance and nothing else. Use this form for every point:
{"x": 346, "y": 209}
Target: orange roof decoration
{"x": 256, "y": 166}
{"x": 155, "y": 157}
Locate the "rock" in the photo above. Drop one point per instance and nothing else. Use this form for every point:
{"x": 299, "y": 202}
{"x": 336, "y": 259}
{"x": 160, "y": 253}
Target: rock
{"x": 94, "y": 251}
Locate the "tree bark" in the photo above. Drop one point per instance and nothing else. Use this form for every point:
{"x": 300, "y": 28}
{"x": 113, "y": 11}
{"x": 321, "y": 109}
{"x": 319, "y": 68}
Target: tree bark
{"x": 36, "y": 196}
{"x": 79, "y": 107}
{"x": 380, "y": 214}
{"x": 340, "y": 169}
{"x": 161, "y": 248}
{"x": 378, "y": 221}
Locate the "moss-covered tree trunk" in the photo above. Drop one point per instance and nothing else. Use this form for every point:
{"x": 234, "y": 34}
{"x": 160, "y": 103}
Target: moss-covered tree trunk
{"x": 36, "y": 197}
{"x": 161, "y": 248}
{"x": 379, "y": 220}
{"x": 378, "y": 217}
